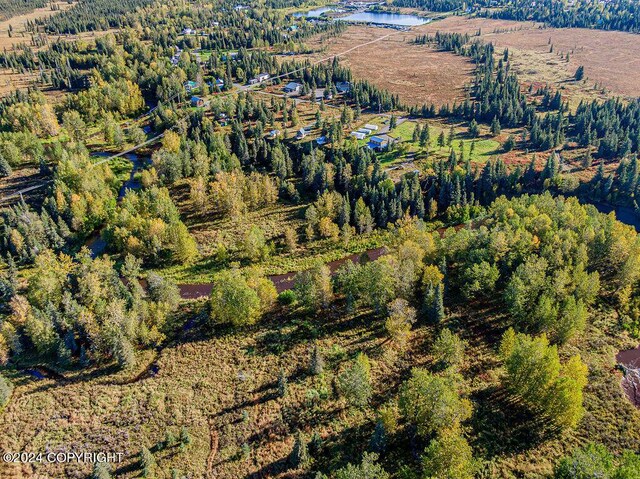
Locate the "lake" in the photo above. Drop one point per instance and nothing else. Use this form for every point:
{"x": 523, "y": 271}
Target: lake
{"x": 379, "y": 18}
{"x": 383, "y": 18}
{"x": 314, "y": 13}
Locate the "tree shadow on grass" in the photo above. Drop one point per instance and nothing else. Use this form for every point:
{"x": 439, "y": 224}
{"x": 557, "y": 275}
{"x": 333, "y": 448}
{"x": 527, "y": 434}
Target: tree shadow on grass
{"x": 505, "y": 426}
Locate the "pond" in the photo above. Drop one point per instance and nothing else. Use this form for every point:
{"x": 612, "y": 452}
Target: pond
{"x": 379, "y": 18}
{"x": 383, "y": 18}
{"x": 315, "y": 13}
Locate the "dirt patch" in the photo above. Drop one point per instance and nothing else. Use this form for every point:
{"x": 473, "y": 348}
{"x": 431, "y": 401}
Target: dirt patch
{"x": 18, "y": 24}
{"x": 611, "y": 59}
{"x": 416, "y": 73}
{"x": 20, "y": 179}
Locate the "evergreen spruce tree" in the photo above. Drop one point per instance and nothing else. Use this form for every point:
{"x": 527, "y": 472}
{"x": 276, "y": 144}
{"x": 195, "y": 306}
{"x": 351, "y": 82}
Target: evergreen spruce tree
{"x": 315, "y": 444}
{"x": 495, "y": 126}
{"x": 282, "y": 384}
{"x": 184, "y": 438}
{"x": 378, "y": 442}
{"x": 100, "y": 471}
{"x": 147, "y": 462}
{"x": 5, "y": 168}
{"x": 299, "y": 456}
{"x": 317, "y": 361}
{"x": 437, "y": 311}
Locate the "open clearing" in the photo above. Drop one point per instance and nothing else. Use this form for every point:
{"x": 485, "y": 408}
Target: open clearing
{"x": 611, "y": 59}
{"x": 223, "y": 387}
{"x": 18, "y": 23}
{"x": 416, "y": 73}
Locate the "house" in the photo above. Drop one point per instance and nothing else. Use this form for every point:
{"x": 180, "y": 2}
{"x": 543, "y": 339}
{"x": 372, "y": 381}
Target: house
{"x": 292, "y": 87}
{"x": 274, "y": 134}
{"x": 364, "y": 131}
{"x": 378, "y": 143}
{"x": 371, "y": 127}
{"x": 176, "y": 57}
{"x": 219, "y": 82}
{"x": 190, "y": 86}
{"x": 357, "y": 135}
{"x": 343, "y": 87}
{"x": 198, "y": 102}
{"x": 301, "y": 134}
{"x": 188, "y": 31}
{"x": 232, "y": 56}
{"x": 321, "y": 140}
{"x": 259, "y": 78}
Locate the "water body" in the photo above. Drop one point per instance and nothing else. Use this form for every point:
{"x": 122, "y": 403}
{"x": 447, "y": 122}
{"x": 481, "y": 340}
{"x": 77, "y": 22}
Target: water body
{"x": 96, "y": 244}
{"x": 315, "y": 13}
{"x": 624, "y": 214}
{"x": 383, "y": 18}
{"x": 630, "y": 362}
{"x": 378, "y": 18}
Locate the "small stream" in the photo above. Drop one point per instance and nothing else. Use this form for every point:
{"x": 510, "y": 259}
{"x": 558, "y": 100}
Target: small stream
{"x": 96, "y": 244}
{"x": 629, "y": 360}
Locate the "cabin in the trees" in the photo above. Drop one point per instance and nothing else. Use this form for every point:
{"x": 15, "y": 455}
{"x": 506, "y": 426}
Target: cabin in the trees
{"x": 190, "y": 86}
{"x": 343, "y": 87}
{"x": 259, "y": 78}
{"x": 219, "y": 82}
{"x": 358, "y": 135}
{"x": 301, "y": 134}
{"x": 292, "y": 87}
{"x": 198, "y": 102}
{"x": 378, "y": 143}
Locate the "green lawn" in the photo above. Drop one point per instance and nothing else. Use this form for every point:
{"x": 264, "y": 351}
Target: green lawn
{"x": 484, "y": 149}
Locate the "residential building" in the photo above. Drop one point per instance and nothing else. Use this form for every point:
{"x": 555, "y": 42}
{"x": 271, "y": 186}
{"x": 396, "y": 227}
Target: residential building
{"x": 198, "y": 101}
{"x": 378, "y": 143}
{"x": 343, "y": 87}
{"x": 259, "y": 78}
{"x": 292, "y": 87}
{"x": 190, "y": 86}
